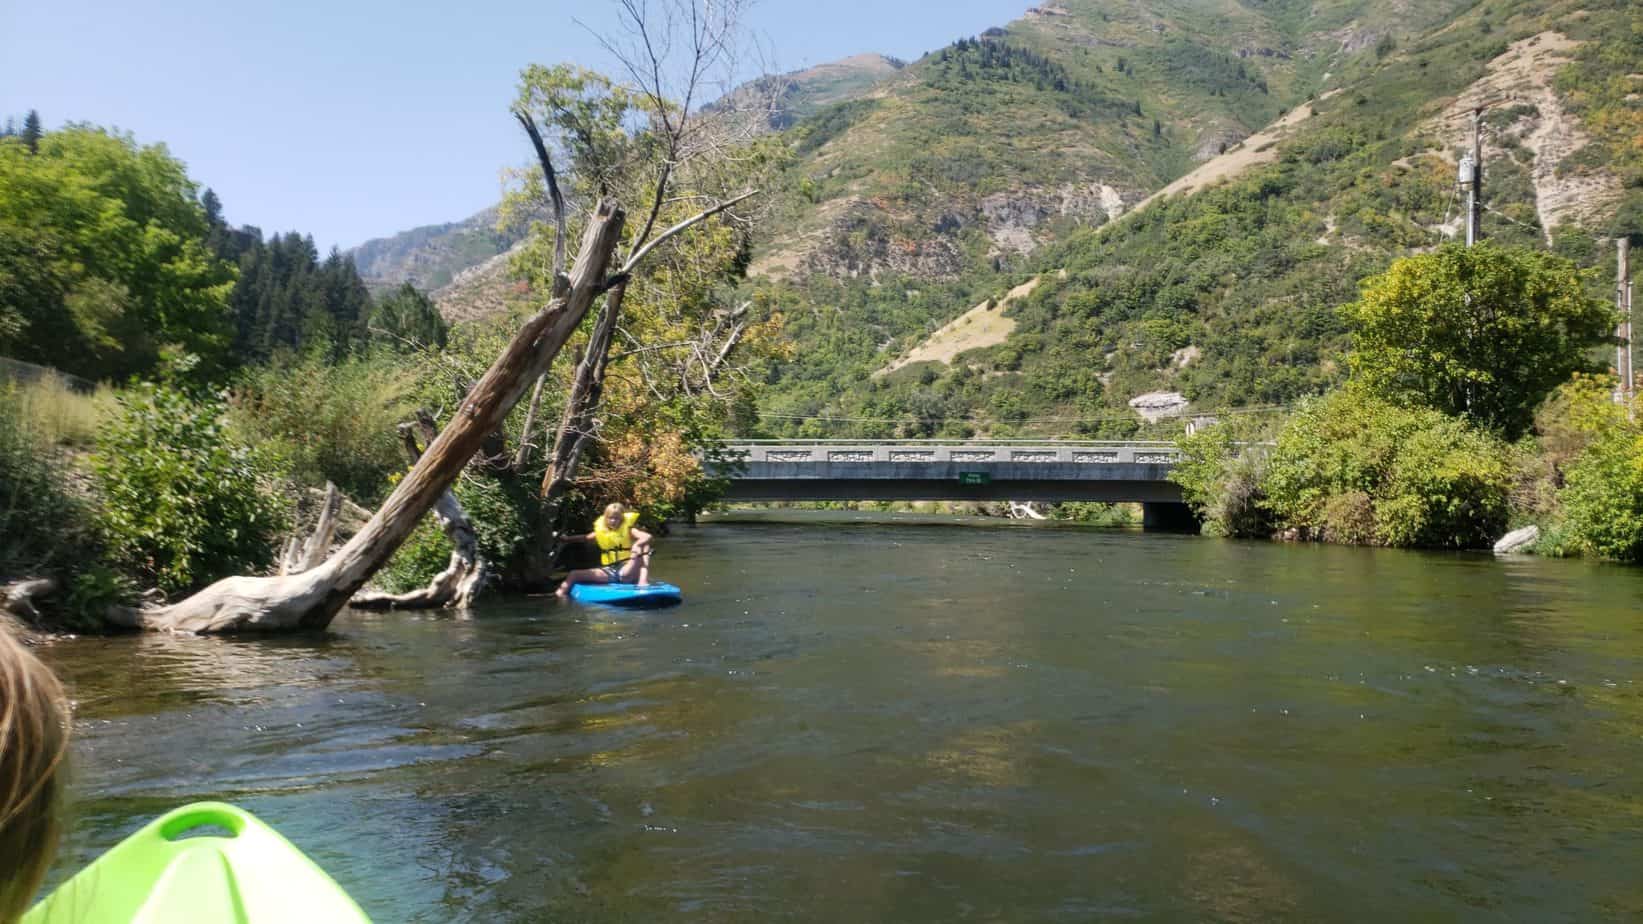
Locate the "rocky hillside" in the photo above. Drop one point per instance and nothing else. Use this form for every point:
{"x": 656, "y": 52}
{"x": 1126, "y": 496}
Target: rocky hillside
{"x": 430, "y": 257}
{"x": 986, "y": 149}
{"x": 1192, "y": 186}
{"x": 1221, "y": 281}
{"x": 787, "y": 99}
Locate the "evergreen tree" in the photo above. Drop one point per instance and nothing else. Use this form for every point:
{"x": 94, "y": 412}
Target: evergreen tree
{"x": 286, "y": 298}
{"x": 213, "y": 208}
{"x": 407, "y": 319}
{"x": 32, "y": 132}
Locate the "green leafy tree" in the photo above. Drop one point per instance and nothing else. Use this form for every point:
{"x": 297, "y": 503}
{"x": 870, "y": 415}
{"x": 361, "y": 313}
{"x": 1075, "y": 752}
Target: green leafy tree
{"x": 1220, "y": 473}
{"x": 104, "y": 266}
{"x": 183, "y": 503}
{"x": 1484, "y": 332}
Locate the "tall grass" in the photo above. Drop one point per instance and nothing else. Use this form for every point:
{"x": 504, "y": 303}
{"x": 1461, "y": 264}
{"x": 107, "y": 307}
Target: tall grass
{"x": 329, "y": 422}
{"x": 43, "y": 525}
{"x": 55, "y": 415}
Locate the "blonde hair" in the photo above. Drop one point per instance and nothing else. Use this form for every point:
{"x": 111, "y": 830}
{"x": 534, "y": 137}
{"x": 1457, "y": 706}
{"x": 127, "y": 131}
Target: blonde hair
{"x": 616, "y": 508}
{"x": 33, "y": 741}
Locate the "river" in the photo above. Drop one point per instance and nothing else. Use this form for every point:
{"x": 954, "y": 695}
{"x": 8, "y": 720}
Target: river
{"x": 872, "y": 717}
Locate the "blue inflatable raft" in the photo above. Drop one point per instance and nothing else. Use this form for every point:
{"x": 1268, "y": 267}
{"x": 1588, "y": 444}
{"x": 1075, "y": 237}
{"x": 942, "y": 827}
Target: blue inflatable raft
{"x": 654, "y": 594}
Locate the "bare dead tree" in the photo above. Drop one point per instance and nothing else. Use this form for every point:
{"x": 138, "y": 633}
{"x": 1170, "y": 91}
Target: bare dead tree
{"x": 300, "y": 556}
{"x": 557, "y": 198}
{"x": 670, "y": 85}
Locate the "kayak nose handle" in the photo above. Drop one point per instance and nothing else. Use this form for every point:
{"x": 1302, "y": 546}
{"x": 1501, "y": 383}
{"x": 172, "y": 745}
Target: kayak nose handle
{"x": 202, "y": 821}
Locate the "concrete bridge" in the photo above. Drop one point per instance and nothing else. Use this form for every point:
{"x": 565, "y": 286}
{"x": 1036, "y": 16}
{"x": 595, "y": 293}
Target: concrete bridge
{"x": 955, "y": 470}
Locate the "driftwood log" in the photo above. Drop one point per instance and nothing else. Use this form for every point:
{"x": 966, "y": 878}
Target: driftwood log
{"x": 312, "y": 598}
{"x": 300, "y": 555}
{"x": 17, "y": 599}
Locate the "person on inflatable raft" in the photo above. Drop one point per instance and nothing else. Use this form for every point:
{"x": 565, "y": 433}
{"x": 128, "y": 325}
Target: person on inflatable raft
{"x": 624, "y": 552}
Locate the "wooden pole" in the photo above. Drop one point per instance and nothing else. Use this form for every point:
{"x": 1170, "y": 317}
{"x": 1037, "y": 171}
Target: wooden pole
{"x": 1474, "y": 201}
{"x": 1623, "y": 334}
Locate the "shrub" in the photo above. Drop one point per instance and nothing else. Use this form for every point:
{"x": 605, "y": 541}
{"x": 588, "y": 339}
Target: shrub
{"x": 183, "y": 503}
{"x": 1350, "y": 467}
{"x": 1603, "y": 496}
{"x": 1220, "y": 474}
{"x": 500, "y": 510}
{"x": 1096, "y": 514}
{"x": 424, "y": 554}
{"x": 329, "y": 422}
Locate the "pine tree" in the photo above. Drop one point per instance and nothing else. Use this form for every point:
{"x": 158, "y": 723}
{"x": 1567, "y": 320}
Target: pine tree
{"x": 32, "y": 132}
{"x": 213, "y": 208}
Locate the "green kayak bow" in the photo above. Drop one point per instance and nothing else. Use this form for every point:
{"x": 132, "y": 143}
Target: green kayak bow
{"x": 209, "y": 863}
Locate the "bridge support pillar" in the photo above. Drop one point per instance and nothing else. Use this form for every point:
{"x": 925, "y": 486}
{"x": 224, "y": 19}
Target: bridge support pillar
{"x": 1168, "y": 518}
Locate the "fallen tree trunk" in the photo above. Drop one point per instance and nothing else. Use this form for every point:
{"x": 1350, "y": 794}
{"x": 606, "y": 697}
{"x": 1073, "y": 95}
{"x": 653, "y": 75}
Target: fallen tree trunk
{"x": 465, "y": 575}
{"x": 311, "y": 599}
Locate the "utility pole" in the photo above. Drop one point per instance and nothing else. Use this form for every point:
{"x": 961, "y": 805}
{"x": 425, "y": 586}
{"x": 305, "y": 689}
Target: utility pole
{"x": 1471, "y": 177}
{"x": 1623, "y": 301}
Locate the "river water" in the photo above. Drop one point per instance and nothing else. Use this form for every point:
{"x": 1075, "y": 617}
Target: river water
{"x": 885, "y": 718}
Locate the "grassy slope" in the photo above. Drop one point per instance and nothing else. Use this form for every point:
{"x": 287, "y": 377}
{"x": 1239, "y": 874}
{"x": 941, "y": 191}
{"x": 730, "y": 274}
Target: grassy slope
{"x": 1250, "y": 273}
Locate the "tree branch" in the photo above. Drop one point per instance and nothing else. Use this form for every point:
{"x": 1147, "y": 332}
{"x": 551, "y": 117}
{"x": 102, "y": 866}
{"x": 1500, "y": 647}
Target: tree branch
{"x": 638, "y": 255}
{"x": 554, "y": 194}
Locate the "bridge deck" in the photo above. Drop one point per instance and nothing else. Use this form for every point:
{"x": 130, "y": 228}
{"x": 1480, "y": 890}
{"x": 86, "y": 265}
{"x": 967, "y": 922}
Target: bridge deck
{"x": 936, "y": 470}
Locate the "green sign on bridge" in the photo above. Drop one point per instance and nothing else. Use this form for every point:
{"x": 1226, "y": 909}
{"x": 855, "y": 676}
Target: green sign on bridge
{"x": 974, "y": 478}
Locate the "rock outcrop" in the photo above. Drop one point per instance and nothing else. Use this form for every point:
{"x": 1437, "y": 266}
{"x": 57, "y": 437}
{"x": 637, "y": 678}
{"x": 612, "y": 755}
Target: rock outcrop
{"x": 1157, "y": 405}
{"x": 1518, "y": 540}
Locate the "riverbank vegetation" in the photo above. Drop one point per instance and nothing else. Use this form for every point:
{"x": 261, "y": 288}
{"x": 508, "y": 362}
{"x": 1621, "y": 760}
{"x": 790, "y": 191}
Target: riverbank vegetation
{"x": 239, "y": 376}
{"x": 1474, "y": 404}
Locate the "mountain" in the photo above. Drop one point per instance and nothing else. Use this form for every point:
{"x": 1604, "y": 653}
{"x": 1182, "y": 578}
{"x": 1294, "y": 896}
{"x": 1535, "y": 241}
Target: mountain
{"x": 1298, "y": 148}
{"x": 1022, "y": 231}
{"x": 989, "y": 147}
{"x": 431, "y": 256}
{"x": 464, "y": 263}
{"x": 784, "y": 100}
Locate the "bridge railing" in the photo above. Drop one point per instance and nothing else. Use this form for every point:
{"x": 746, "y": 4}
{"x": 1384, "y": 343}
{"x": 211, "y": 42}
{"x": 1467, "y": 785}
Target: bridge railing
{"x": 1088, "y": 452}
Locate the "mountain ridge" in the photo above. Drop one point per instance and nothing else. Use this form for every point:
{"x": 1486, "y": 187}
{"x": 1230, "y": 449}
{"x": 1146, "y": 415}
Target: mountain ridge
{"x": 1262, "y": 156}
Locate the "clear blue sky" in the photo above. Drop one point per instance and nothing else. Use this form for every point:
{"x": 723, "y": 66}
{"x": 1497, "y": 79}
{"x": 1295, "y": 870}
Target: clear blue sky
{"x": 353, "y": 119}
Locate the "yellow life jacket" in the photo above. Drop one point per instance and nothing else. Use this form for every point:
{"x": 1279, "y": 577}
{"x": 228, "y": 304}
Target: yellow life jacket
{"x": 614, "y": 544}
